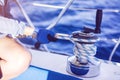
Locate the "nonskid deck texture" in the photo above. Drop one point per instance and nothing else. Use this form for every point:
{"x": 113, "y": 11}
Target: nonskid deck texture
{"x": 57, "y": 63}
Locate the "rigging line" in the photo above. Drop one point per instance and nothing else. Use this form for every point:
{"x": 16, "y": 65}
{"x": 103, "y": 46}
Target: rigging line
{"x": 72, "y": 8}
{"x": 25, "y": 14}
{"x": 61, "y": 14}
{"x": 114, "y": 49}
{"x": 57, "y": 19}
{"x": 28, "y": 20}
{"x": 68, "y": 37}
{"x": 107, "y": 61}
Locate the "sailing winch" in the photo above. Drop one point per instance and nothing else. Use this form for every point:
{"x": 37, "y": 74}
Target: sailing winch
{"x": 83, "y": 62}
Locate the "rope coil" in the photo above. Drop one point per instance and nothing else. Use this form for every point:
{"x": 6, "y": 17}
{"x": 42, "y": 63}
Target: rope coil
{"x": 84, "y": 49}
{"x": 89, "y": 58}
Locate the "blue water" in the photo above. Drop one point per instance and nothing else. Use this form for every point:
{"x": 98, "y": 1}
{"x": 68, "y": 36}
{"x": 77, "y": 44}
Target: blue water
{"x": 74, "y": 20}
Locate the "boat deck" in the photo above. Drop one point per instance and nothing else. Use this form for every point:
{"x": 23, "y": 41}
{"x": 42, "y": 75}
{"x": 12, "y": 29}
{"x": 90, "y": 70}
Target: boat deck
{"x": 57, "y": 63}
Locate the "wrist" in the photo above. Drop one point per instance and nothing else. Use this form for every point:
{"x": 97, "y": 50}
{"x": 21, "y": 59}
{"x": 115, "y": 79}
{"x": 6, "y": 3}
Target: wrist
{"x": 28, "y": 31}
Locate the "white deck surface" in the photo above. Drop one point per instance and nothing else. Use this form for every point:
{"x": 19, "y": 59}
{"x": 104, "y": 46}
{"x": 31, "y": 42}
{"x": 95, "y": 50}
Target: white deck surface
{"x": 56, "y": 62}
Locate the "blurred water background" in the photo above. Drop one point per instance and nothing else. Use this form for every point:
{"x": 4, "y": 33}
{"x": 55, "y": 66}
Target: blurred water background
{"x": 81, "y": 13}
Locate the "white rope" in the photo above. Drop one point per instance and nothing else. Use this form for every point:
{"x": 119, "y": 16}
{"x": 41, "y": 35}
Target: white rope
{"x": 73, "y": 8}
{"x": 84, "y": 52}
{"x": 114, "y": 49}
{"x": 53, "y": 24}
{"x": 61, "y": 14}
{"x": 68, "y": 37}
{"x": 28, "y": 20}
{"x": 25, "y": 14}
{"x": 89, "y": 51}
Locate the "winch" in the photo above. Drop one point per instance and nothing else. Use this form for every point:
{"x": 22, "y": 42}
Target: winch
{"x": 83, "y": 62}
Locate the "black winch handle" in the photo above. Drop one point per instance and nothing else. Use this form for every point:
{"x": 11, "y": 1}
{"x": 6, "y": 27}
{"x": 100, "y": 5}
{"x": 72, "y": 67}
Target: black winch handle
{"x": 98, "y": 21}
{"x": 99, "y": 14}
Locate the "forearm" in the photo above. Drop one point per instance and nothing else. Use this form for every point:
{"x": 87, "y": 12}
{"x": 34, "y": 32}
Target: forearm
{"x": 14, "y": 28}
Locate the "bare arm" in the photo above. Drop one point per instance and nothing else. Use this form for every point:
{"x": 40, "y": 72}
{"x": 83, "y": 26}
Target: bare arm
{"x": 15, "y": 28}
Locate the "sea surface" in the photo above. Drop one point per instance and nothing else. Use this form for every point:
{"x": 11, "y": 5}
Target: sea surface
{"x": 81, "y": 14}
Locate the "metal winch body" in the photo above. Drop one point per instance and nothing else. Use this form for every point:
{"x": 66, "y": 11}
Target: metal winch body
{"x": 83, "y": 62}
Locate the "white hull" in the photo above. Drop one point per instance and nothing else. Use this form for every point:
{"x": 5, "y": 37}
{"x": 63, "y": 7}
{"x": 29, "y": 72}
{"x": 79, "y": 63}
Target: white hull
{"x": 58, "y": 63}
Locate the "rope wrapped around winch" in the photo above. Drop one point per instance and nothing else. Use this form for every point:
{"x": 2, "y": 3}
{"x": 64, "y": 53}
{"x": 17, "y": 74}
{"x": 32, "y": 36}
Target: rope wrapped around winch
{"x": 84, "y": 49}
{"x": 83, "y": 62}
